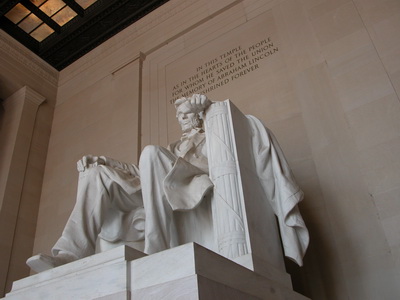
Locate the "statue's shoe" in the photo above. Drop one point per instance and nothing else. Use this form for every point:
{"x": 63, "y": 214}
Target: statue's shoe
{"x": 43, "y": 262}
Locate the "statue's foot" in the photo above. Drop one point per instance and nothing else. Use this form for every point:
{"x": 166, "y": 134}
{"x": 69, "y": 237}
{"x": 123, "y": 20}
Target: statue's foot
{"x": 43, "y": 262}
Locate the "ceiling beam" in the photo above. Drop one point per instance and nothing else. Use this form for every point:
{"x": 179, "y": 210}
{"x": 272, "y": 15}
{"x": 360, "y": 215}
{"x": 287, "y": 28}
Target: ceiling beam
{"x": 6, "y": 6}
{"x": 41, "y": 15}
{"x": 101, "y": 20}
{"x": 76, "y": 7}
{"x": 19, "y": 34}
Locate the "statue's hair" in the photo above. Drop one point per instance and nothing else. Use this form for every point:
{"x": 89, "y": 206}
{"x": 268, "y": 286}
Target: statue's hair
{"x": 180, "y": 101}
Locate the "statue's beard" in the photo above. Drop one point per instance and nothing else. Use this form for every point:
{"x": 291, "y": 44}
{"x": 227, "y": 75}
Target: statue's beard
{"x": 191, "y": 124}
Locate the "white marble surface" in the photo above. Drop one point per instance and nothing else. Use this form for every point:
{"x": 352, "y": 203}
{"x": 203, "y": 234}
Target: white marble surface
{"x": 194, "y": 259}
{"x": 252, "y": 182}
{"x": 114, "y": 197}
{"x": 260, "y": 266}
{"x": 101, "y": 268}
{"x": 248, "y": 186}
{"x": 185, "y": 272}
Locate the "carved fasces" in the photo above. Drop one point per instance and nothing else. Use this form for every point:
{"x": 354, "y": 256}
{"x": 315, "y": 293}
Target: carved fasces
{"x": 227, "y": 208}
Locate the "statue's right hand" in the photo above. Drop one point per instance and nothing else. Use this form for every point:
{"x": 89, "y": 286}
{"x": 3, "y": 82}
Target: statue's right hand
{"x": 89, "y": 161}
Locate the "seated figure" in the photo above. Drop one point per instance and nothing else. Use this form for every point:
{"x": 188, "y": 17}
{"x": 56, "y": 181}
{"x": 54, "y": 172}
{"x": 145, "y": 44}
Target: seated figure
{"x": 122, "y": 202}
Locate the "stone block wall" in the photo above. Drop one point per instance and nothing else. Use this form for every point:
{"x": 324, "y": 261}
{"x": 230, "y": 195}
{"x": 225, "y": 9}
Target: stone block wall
{"x": 322, "y": 75}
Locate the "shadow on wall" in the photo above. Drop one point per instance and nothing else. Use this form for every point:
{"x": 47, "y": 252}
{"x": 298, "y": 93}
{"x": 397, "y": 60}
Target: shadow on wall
{"x": 1, "y": 113}
{"x": 310, "y": 279}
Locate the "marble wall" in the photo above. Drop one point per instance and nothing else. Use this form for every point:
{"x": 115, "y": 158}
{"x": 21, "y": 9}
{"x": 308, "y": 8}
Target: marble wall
{"x": 323, "y": 75}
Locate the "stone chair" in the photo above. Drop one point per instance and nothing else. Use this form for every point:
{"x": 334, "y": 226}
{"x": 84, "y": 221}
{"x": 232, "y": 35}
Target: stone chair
{"x": 238, "y": 221}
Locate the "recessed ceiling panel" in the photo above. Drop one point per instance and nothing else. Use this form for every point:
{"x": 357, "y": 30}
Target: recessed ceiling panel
{"x": 85, "y": 3}
{"x": 30, "y": 23}
{"x": 17, "y": 13}
{"x": 61, "y": 31}
{"x": 51, "y": 7}
{"x": 37, "y": 2}
{"x": 42, "y": 32}
{"x": 64, "y": 16}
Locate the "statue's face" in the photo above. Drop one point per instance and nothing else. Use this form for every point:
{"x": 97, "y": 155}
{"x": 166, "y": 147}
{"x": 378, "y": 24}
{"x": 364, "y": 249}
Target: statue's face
{"x": 188, "y": 121}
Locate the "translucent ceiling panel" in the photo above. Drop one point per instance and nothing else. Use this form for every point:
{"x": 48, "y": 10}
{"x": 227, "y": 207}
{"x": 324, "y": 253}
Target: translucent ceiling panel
{"x": 42, "y": 32}
{"x": 85, "y": 3}
{"x": 17, "y": 13}
{"x": 50, "y": 7}
{"x": 37, "y": 2}
{"x": 64, "y": 16}
{"x": 30, "y": 23}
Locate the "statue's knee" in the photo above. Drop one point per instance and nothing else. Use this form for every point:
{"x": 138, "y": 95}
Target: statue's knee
{"x": 149, "y": 153}
{"x": 93, "y": 172}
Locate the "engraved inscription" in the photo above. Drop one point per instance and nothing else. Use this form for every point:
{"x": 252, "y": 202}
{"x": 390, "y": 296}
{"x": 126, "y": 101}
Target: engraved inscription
{"x": 224, "y": 69}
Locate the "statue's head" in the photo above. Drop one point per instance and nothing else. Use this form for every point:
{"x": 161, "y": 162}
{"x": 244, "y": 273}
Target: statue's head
{"x": 188, "y": 113}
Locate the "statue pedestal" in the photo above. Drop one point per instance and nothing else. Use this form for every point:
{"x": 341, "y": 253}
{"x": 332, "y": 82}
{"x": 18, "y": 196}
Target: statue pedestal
{"x": 185, "y": 272}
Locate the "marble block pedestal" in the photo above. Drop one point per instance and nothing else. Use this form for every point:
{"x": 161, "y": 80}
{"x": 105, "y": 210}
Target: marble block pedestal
{"x": 185, "y": 272}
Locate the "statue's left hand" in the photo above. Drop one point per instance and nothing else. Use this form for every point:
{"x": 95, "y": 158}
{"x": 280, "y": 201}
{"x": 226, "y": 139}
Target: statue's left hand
{"x": 196, "y": 104}
{"x": 90, "y": 161}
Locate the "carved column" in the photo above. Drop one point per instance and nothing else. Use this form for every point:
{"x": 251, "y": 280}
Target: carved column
{"x": 16, "y": 133}
{"x": 244, "y": 224}
{"x": 227, "y": 204}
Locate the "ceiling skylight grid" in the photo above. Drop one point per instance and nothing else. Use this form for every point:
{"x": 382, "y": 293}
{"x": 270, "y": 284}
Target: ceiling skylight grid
{"x": 61, "y": 31}
{"x": 36, "y": 17}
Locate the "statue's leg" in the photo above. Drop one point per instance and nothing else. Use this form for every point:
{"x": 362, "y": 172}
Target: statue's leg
{"x": 100, "y": 189}
{"x": 160, "y": 232}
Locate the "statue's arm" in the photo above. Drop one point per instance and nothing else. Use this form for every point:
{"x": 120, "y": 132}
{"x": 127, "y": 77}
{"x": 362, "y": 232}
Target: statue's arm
{"x": 89, "y": 161}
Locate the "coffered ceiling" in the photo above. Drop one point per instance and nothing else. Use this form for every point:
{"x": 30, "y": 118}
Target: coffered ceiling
{"x": 61, "y": 31}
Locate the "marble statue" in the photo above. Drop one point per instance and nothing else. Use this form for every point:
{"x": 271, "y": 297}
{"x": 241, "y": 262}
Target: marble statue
{"x": 122, "y": 202}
